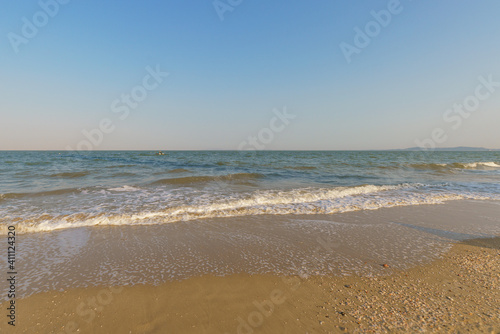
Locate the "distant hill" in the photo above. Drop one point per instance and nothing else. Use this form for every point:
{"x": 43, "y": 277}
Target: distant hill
{"x": 460, "y": 148}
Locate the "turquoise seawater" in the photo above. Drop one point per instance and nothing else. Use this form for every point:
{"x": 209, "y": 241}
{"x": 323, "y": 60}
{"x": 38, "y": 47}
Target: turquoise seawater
{"x": 43, "y": 191}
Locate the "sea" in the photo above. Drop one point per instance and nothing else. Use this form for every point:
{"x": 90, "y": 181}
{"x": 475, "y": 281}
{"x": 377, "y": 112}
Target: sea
{"x": 42, "y": 191}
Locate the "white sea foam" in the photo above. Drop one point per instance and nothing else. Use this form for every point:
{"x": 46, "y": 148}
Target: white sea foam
{"x": 488, "y": 165}
{"x": 304, "y": 201}
{"x": 481, "y": 164}
{"x": 125, "y": 188}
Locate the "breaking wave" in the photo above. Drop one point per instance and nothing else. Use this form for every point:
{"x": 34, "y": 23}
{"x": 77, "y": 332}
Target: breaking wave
{"x": 458, "y": 166}
{"x": 303, "y": 201}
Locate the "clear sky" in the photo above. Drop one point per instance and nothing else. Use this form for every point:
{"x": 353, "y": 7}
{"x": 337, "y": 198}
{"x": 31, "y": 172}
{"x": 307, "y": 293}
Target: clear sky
{"x": 68, "y": 68}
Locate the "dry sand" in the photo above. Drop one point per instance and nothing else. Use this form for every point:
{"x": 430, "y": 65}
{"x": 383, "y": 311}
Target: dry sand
{"x": 456, "y": 293}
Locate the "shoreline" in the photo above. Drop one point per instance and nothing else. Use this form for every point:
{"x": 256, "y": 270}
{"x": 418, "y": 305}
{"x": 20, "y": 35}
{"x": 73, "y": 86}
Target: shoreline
{"x": 398, "y": 270}
{"x": 456, "y": 292}
{"x": 346, "y": 244}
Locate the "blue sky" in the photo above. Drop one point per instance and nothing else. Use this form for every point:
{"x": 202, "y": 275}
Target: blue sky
{"x": 227, "y": 76}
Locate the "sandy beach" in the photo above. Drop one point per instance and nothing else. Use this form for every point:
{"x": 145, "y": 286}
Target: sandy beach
{"x": 455, "y": 290}
{"x": 457, "y": 293}
{"x": 244, "y": 167}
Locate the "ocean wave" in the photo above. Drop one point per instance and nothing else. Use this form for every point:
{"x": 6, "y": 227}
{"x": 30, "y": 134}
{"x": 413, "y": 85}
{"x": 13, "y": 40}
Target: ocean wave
{"x": 70, "y": 175}
{"x": 304, "y": 201}
{"x": 40, "y": 193}
{"x": 231, "y": 163}
{"x": 125, "y": 188}
{"x": 179, "y": 170}
{"x": 120, "y": 166}
{"x": 206, "y": 179}
{"x": 37, "y": 163}
{"x": 124, "y": 174}
{"x": 491, "y": 165}
{"x": 301, "y": 167}
{"x": 191, "y": 180}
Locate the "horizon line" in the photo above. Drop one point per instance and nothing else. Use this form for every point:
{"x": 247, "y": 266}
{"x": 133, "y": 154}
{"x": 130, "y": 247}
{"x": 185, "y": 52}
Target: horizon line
{"x": 457, "y": 148}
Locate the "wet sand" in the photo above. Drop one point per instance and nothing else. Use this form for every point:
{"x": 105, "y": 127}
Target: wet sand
{"x": 353, "y": 243}
{"x": 459, "y": 292}
{"x": 452, "y": 290}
